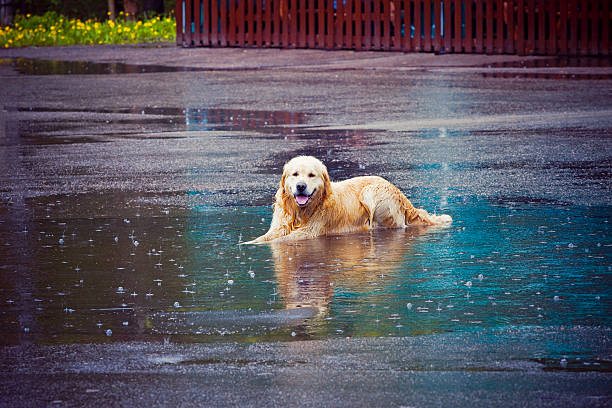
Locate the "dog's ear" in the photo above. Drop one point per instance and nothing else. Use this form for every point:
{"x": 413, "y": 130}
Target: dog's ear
{"x": 284, "y": 198}
{"x": 326, "y": 181}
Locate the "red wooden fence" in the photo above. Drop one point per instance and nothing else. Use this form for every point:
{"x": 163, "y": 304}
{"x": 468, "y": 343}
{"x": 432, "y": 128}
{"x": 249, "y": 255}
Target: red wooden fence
{"x": 543, "y": 27}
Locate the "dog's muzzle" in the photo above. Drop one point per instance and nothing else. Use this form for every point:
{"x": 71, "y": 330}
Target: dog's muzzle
{"x": 301, "y": 194}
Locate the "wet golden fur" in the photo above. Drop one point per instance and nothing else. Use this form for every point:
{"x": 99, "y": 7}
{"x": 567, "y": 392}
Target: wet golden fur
{"x": 356, "y": 204}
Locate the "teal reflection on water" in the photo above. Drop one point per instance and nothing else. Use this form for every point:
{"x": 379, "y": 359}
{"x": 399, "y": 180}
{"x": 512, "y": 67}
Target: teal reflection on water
{"x": 500, "y": 264}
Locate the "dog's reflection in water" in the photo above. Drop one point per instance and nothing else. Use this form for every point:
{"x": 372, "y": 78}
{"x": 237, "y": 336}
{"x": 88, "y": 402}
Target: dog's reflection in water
{"x": 309, "y": 271}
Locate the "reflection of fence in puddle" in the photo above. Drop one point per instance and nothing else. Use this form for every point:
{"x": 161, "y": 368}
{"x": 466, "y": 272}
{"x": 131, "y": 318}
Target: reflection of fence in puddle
{"x": 240, "y": 119}
{"x": 33, "y": 66}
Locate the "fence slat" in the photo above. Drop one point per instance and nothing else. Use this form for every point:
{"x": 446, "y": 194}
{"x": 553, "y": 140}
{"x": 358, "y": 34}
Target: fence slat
{"x": 540, "y": 41}
{"x": 437, "y": 34}
{"x": 329, "y": 24}
{"x": 196, "y": 39}
{"x": 311, "y": 24}
{"x": 257, "y": 22}
{"x": 573, "y": 23}
{"x": 178, "y": 12}
{"x": 584, "y": 27}
{"x": 551, "y": 10}
{"x": 467, "y": 26}
{"x": 563, "y": 45}
{"x": 386, "y": 25}
{"x": 188, "y": 20}
{"x": 367, "y": 24}
{"x": 206, "y": 23}
{"x": 446, "y": 13}
{"x": 594, "y": 17}
{"x": 222, "y": 24}
{"x": 300, "y": 13}
{"x": 605, "y": 32}
{"x": 426, "y": 26}
{"x": 478, "y": 35}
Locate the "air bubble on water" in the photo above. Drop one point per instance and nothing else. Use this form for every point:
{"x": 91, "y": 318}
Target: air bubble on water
{"x": 468, "y": 284}
{"x": 563, "y": 362}
{"x": 408, "y": 306}
{"x": 126, "y": 323}
{"x": 480, "y": 276}
{"x": 556, "y": 298}
{"x": 177, "y": 304}
{"x": 251, "y": 274}
{"x": 570, "y": 245}
{"x": 61, "y": 241}
{"x": 109, "y": 332}
{"x": 293, "y": 334}
{"x": 230, "y": 281}
{"x": 120, "y": 289}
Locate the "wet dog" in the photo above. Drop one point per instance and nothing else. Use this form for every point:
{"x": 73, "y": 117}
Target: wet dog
{"x": 308, "y": 204}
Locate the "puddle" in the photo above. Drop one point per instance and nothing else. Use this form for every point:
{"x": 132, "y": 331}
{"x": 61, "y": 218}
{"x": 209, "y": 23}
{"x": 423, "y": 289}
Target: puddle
{"x": 40, "y": 126}
{"x": 555, "y": 62}
{"x": 536, "y": 68}
{"x": 544, "y": 75}
{"x": 30, "y": 66}
{"x": 75, "y": 272}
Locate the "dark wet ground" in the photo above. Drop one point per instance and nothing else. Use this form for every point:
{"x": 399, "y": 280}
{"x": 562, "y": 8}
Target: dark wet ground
{"x": 124, "y": 194}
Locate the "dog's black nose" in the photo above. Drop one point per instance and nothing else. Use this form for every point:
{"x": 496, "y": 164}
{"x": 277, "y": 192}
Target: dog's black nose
{"x": 300, "y": 187}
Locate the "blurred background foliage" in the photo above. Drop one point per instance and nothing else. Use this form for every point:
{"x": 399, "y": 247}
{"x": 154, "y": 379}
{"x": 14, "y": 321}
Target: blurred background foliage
{"x": 89, "y": 9}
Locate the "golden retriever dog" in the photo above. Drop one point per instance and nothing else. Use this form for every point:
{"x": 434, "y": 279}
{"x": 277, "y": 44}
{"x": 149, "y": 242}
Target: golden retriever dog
{"x": 308, "y": 204}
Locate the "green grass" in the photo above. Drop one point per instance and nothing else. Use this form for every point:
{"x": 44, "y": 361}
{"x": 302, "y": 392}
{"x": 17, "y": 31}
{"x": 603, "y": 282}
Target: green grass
{"x": 53, "y": 29}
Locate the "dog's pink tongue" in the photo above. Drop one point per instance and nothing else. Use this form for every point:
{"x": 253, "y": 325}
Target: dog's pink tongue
{"x": 301, "y": 199}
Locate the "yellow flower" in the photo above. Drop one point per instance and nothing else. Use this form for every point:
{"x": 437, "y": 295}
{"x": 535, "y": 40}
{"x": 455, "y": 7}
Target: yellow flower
{"x": 28, "y": 15}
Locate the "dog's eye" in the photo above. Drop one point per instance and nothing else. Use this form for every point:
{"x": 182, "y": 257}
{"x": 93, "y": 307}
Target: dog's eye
{"x": 311, "y": 175}
{"x": 295, "y": 174}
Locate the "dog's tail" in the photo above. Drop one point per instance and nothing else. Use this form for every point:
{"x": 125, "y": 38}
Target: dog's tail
{"x": 420, "y": 216}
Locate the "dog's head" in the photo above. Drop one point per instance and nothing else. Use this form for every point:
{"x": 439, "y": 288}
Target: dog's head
{"x": 304, "y": 184}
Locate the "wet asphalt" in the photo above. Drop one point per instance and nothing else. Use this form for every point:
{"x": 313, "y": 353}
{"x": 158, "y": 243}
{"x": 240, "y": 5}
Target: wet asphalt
{"x": 493, "y": 127}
